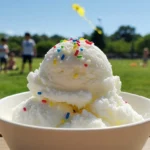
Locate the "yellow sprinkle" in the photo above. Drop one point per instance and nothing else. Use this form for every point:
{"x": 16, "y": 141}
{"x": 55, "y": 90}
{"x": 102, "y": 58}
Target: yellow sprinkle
{"x": 62, "y": 121}
{"x": 75, "y": 76}
{"x": 75, "y": 46}
{"x": 65, "y": 41}
{"x": 51, "y": 104}
{"x": 81, "y": 39}
{"x": 55, "y": 61}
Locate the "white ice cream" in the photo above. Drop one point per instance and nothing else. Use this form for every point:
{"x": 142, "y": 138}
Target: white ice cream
{"x": 77, "y": 76}
{"x": 68, "y": 80}
{"x": 41, "y": 114}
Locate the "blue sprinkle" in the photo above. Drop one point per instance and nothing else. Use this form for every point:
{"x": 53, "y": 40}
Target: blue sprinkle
{"x": 81, "y": 49}
{"x": 62, "y": 57}
{"x": 58, "y": 50}
{"x": 67, "y": 115}
{"x": 39, "y": 93}
{"x": 74, "y": 40}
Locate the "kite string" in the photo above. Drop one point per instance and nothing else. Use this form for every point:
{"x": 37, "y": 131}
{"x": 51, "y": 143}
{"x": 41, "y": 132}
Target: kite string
{"x": 92, "y": 25}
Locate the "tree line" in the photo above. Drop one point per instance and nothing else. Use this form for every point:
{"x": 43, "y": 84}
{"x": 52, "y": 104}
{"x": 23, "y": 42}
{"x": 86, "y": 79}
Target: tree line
{"x": 124, "y": 42}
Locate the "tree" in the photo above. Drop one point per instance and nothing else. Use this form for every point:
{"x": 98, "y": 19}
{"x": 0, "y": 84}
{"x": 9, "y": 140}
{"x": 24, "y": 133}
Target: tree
{"x": 3, "y": 35}
{"x": 43, "y": 47}
{"x": 37, "y": 38}
{"x": 118, "y": 47}
{"x": 13, "y": 46}
{"x": 98, "y": 39}
{"x": 142, "y": 43}
{"x": 56, "y": 38}
{"x": 16, "y": 39}
{"x": 124, "y": 32}
{"x": 86, "y": 36}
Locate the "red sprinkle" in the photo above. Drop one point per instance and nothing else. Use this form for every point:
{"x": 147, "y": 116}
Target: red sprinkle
{"x": 88, "y": 42}
{"x": 55, "y": 46}
{"x": 76, "y": 53}
{"x": 25, "y": 109}
{"x": 44, "y": 101}
{"x": 126, "y": 102}
{"x": 85, "y": 65}
{"x": 78, "y": 44}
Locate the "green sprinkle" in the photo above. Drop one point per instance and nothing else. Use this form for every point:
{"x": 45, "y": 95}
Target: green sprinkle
{"x": 62, "y": 46}
{"x": 61, "y": 41}
{"x": 79, "y": 56}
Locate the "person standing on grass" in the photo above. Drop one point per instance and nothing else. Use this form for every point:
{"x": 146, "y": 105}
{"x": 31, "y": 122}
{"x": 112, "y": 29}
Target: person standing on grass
{"x": 28, "y": 51}
{"x": 145, "y": 56}
{"x": 4, "y": 50}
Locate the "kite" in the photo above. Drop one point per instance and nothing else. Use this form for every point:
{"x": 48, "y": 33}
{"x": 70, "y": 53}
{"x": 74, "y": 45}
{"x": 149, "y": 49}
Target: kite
{"x": 81, "y": 12}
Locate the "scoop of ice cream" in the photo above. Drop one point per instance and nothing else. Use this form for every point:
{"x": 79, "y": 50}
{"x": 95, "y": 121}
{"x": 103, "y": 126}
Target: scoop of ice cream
{"x": 41, "y": 113}
{"x": 33, "y": 112}
{"x": 114, "y": 110}
{"x": 75, "y": 72}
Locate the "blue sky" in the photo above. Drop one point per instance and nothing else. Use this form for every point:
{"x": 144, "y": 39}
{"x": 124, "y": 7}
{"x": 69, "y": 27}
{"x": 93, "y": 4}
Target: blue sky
{"x": 57, "y": 17}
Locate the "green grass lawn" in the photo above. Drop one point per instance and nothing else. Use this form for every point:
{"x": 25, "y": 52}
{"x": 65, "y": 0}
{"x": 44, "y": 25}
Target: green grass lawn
{"x": 134, "y": 79}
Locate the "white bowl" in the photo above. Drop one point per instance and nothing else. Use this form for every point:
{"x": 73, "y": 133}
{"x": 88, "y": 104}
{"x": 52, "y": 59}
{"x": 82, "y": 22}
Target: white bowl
{"x": 26, "y": 137}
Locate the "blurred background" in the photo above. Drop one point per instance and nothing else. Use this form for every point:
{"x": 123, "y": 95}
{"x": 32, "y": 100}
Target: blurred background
{"x": 125, "y": 35}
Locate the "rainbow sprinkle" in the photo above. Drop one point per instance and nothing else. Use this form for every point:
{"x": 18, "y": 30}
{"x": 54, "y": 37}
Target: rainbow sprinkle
{"x": 58, "y": 50}
{"x": 79, "y": 56}
{"x": 62, "y": 57}
{"x": 67, "y": 115}
{"x": 62, "y": 121}
{"x": 81, "y": 49}
{"x": 75, "y": 76}
{"x": 44, "y": 101}
{"x": 88, "y": 42}
{"x": 51, "y": 104}
{"x": 85, "y": 65}
{"x": 39, "y": 93}
{"x": 75, "y": 46}
{"x": 78, "y": 44}
{"x": 55, "y": 61}
{"x": 24, "y": 109}
{"x": 76, "y": 53}
{"x": 81, "y": 39}
{"x": 74, "y": 40}
{"x": 65, "y": 41}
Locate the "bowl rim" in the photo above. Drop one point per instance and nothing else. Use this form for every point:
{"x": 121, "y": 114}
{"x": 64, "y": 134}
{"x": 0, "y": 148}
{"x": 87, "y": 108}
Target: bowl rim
{"x": 73, "y": 129}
